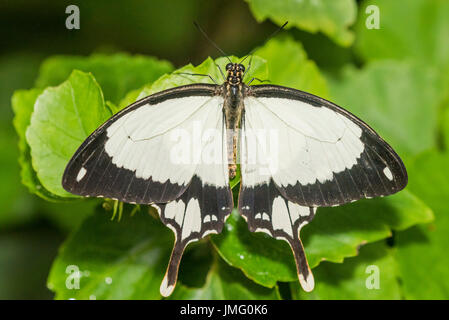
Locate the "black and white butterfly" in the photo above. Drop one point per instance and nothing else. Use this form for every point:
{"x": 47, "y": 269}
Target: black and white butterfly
{"x": 296, "y": 152}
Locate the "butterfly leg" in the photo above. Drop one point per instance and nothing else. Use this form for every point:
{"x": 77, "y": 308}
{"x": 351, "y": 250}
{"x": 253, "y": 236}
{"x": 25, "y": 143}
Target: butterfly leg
{"x": 246, "y": 71}
{"x": 199, "y": 75}
{"x": 257, "y": 80}
{"x": 222, "y": 74}
{"x": 249, "y": 67}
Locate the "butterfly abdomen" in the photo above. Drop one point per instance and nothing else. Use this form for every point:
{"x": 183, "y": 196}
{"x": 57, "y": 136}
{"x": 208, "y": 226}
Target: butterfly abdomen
{"x": 233, "y": 108}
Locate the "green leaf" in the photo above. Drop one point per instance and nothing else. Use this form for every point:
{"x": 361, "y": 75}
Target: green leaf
{"x": 196, "y": 263}
{"x": 63, "y": 117}
{"x": 444, "y": 125}
{"x": 422, "y": 250}
{"x": 409, "y": 29}
{"x": 333, "y": 18}
{"x": 289, "y": 66}
{"x": 418, "y": 33}
{"x": 225, "y": 283}
{"x": 130, "y": 97}
{"x": 68, "y": 215}
{"x": 116, "y": 260}
{"x": 268, "y": 63}
{"x": 117, "y": 74}
{"x": 334, "y": 234}
{"x": 260, "y": 257}
{"x": 400, "y": 101}
{"x": 356, "y": 277}
{"x": 208, "y": 67}
{"x": 23, "y": 104}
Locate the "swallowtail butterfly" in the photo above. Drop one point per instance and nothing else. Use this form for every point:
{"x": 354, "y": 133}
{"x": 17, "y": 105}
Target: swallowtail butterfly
{"x": 177, "y": 150}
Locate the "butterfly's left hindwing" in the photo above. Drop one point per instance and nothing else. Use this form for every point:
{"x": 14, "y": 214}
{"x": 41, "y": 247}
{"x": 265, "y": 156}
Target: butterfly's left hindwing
{"x": 166, "y": 150}
{"x": 201, "y": 210}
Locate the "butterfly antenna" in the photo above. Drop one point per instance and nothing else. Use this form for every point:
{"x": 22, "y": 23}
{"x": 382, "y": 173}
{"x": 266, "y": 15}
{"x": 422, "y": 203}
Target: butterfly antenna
{"x": 271, "y": 36}
{"x": 210, "y": 40}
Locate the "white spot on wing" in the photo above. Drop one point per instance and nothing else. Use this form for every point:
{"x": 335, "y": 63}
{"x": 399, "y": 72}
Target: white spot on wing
{"x": 388, "y": 174}
{"x": 81, "y": 174}
{"x": 294, "y": 210}
{"x": 280, "y": 216}
{"x": 175, "y": 210}
{"x": 192, "y": 219}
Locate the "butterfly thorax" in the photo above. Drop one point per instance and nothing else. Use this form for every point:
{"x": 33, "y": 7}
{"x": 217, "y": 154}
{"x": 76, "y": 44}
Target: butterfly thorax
{"x": 233, "y": 110}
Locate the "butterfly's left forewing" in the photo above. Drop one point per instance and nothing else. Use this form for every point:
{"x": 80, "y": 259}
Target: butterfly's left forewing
{"x": 166, "y": 150}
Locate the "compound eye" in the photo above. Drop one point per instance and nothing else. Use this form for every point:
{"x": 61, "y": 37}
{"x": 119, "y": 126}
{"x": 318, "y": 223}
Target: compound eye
{"x": 229, "y": 66}
{"x": 242, "y": 67}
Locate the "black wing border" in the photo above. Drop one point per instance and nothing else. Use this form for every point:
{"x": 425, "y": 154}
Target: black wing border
{"x": 198, "y": 89}
{"x": 277, "y": 91}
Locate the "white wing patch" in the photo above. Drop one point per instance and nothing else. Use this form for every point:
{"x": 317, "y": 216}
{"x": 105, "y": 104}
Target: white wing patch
{"x": 174, "y": 134}
{"x": 284, "y": 218}
{"x": 175, "y": 210}
{"x": 188, "y": 218}
{"x": 281, "y": 217}
{"x": 192, "y": 219}
{"x": 308, "y": 143}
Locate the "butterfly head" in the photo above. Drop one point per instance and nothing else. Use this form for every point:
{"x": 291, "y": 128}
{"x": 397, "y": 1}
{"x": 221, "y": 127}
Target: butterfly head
{"x": 235, "y": 73}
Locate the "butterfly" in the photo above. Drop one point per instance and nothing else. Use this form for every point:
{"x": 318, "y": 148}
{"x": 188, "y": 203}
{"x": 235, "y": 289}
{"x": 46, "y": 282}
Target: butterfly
{"x": 177, "y": 150}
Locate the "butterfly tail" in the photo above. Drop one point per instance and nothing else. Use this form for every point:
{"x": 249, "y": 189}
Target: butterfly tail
{"x": 304, "y": 273}
{"x": 171, "y": 275}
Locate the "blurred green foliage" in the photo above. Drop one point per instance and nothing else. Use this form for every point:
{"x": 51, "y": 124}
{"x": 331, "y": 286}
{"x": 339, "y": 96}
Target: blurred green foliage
{"x": 422, "y": 250}
{"x": 333, "y": 18}
{"x": 56, "y": 128}
{"x": 395, "y": 78}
